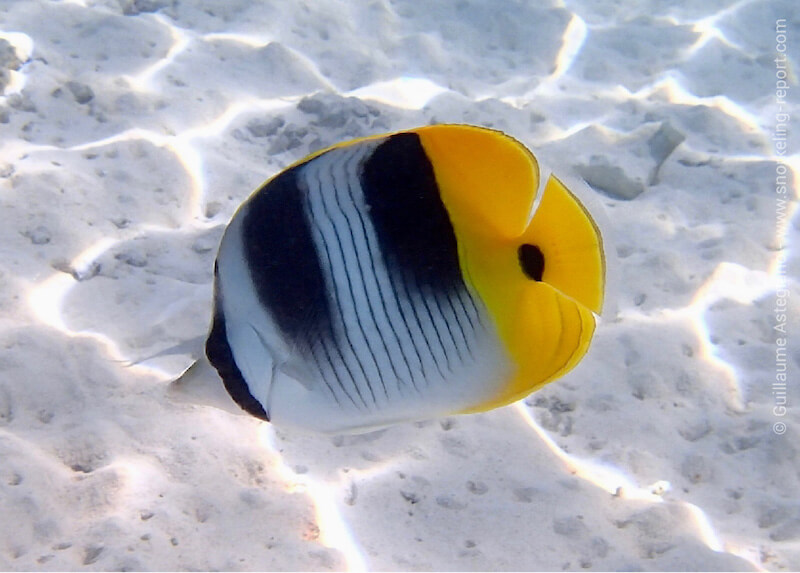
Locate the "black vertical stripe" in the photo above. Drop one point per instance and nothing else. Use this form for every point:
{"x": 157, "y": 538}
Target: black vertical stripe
{"x": 414, "y": 230}
{"x": 285, "y": 267}
{"x": 411, "y": 221}
{"x": 283, "y": 261}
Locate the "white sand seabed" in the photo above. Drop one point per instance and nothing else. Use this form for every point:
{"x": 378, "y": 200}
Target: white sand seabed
{"x": 131, "y": 130}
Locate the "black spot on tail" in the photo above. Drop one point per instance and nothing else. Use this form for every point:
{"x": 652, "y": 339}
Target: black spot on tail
{"x": 531, "y": 260}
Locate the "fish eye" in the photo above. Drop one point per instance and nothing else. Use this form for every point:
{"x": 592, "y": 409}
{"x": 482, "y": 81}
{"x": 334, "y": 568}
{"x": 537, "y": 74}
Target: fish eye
{"x": 531, "y": 260}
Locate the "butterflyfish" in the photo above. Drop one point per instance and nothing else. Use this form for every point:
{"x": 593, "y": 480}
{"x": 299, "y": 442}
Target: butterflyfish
{"x": 401, "y": 277}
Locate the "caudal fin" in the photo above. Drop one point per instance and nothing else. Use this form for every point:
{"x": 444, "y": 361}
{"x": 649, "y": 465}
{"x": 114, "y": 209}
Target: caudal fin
{"x": 200, "y": 384}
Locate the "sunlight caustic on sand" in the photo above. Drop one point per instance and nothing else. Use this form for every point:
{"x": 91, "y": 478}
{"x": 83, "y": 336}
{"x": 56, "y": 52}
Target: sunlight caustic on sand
{"x": 46, "y": 299}
{"x": 185, "y": 147}
{"x": 678, "y": 94}
{"x": 571, "y": 43}
{"x": 402, "y": 92}
{"x": 707, "y": 30}
{"x": 144, "y": 80}
{"x": 615, "y": 482}
{"x": 131, "y": 129}
{"x": 728, "y": 281}
{"x": 23, "y": 48}
{"x": 603, "y": 476}
{"x": 334, "y": 531}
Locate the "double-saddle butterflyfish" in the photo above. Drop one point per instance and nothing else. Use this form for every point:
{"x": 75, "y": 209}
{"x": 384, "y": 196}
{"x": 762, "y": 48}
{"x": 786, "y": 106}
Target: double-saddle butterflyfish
{"x": 402, "y": 277}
